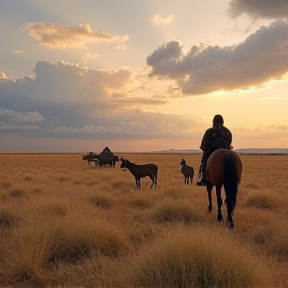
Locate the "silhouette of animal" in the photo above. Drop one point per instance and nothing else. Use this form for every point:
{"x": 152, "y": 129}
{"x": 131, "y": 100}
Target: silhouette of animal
{"x": 140, "y": 171}
{"x": 187, "y": 171}
{"x": 224, "y": 167}
{"x": 90, "y": 157}
{"x": 107, "y": 159}
{"x": 114, "y": 160}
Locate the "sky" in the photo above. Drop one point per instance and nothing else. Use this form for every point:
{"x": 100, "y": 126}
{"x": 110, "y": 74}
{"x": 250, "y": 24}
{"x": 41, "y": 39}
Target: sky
{"x": 141, "y": 75}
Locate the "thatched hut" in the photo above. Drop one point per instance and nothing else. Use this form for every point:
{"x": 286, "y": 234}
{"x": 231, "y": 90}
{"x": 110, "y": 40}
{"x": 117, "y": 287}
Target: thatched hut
{"x": 107, "y": 157}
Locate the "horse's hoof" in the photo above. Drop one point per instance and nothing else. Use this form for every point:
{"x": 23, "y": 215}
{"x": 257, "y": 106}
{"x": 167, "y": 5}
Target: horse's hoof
{"x": 229, "y": 224}
{"x": 219, "y": 217}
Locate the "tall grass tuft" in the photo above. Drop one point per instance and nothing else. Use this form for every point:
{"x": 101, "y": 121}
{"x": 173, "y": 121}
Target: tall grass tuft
{"x": 202, "y": 257}
{"x": 79, "y": 237}
{"x": 172, "y": 193}
{"x": 140, "y": 202}
{"x": 279, "y": 245}
{"x": 52, "y": 207}
{"x": 169, "y": 210}
{"x": 102, "y": 200}
{"x": 8, "y": 218}
{"x": 99, "y": 271}
{"x": 29, "y": 249}
{"x": 262, "y": 234}
{"x": 263, "y": 199}
{"x": 17, "y": 192}
{"x": 6, "y": 185}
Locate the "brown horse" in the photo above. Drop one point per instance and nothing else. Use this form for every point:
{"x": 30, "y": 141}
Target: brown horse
{"x": 224, "y": 167}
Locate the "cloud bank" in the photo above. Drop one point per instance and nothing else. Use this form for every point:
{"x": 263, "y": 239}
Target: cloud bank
{"x": 62, "y": 100}
{"x": 204, "y": 69}
{"x": 270, "y": 9}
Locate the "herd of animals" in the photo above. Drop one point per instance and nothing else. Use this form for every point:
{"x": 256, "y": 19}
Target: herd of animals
{"x": 138, "y": 171}
{"x": 101, "y": 159}
{"x": 224, "y": 168}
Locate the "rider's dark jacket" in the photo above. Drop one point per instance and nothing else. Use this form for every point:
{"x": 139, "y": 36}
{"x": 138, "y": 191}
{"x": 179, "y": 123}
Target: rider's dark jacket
{"x": 216, "y": 137}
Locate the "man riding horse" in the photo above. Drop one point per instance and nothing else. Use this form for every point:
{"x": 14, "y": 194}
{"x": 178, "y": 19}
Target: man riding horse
{"x": 216, "y": 137}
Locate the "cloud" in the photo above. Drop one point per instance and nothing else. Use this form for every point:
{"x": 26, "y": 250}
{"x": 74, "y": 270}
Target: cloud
{"x": 270, "y": 9}
{"x": 68, "y": 101}
{"x": 260, "y": 58}
{"x": 158, "y": 20}
{"x": 121, "y": 47}
{"x": 57, "y": 35}
{"x": 90, "y": 55}
{"x": 18, "y": 121}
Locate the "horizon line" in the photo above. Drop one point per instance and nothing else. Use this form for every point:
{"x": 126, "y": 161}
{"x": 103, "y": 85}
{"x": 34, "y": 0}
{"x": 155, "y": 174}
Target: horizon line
{"x": 154, "y": 151}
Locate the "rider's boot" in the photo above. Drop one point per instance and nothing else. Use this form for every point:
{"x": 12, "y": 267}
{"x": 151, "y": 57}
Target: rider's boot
{"x": 201, "y": 176}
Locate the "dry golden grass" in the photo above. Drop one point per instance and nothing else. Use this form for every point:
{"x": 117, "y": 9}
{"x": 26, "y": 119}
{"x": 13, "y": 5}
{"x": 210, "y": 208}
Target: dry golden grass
{"x": 65, "y": 225}
{"x": 199, "y": 257}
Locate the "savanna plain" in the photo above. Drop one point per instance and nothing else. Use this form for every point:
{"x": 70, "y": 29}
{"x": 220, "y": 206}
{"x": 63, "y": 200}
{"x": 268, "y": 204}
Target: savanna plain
{"x": 63, "y": 224}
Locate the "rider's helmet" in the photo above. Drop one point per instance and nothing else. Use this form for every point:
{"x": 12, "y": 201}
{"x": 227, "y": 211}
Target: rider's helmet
{"x": 218, "y": 119}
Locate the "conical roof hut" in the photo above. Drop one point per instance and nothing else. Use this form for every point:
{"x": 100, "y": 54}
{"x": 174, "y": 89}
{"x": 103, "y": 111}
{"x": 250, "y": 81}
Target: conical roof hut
{"x": 106, "y": 150}
{"x": 106, "y": 155}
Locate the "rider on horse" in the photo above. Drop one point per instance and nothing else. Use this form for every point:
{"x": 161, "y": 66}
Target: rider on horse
{"x": 216, "y": 137}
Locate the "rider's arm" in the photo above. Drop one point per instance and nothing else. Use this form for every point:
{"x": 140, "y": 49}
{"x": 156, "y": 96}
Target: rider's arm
{"x": 203, "y": 145}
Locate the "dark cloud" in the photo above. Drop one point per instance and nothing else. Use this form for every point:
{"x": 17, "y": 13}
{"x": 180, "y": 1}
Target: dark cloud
{"x": 270, "y": 9}
{"x": 261, "y": 57}
{"x": 70, "y": 101}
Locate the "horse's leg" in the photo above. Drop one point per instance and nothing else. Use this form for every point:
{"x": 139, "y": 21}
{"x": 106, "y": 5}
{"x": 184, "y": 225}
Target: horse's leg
{"x": 155, "y": 181}
{"x": 231, "y": 187}
{"x": 152, "y": 179}
{"x": 230, "y": 208}
{"x": 137, "y": 183}
{"x": 229, "y": 222}
{"x": 219, "y": 203}
{"x": 209, "y": 187}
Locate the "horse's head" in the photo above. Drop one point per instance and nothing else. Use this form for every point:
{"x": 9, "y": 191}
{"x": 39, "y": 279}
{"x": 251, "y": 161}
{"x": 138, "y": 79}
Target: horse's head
{"x": 183, "y": 162}
{"x": 124, "y": 163}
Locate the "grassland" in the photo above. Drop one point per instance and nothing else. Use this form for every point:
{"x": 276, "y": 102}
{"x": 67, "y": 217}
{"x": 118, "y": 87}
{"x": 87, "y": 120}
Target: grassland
{"x": 65, "y": 225}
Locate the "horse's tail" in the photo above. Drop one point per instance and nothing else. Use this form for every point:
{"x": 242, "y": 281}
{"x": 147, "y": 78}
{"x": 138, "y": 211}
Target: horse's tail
{"x": 230, "y": 181}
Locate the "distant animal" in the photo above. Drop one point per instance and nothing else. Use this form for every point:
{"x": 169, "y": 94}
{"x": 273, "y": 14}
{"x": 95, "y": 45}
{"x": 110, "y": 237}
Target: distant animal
{"x": 90, "y": 157}
{"x": 140, "y": 171}
{"x": 114, "y": 160}
{"x": 224, "y": 167}
{"x": 107, "y": 159}
{"x": 187, "y": 171}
